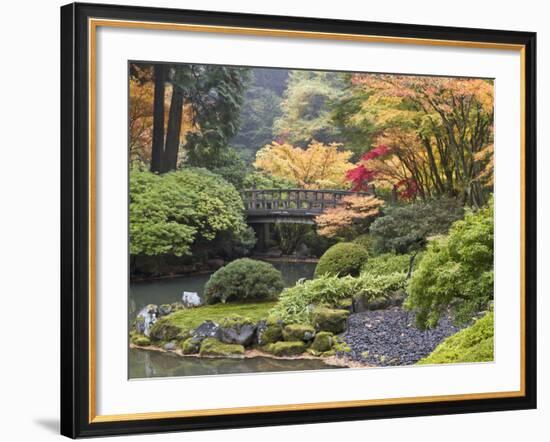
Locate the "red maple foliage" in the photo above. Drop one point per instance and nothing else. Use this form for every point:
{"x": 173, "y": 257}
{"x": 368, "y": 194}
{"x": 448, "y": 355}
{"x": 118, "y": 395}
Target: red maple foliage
{"x": 361, "y": 175}
{"x": 407, "y": 189}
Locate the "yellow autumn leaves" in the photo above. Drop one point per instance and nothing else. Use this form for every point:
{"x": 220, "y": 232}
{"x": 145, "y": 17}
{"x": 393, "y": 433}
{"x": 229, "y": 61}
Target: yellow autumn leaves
{"x": 319, "y": 166}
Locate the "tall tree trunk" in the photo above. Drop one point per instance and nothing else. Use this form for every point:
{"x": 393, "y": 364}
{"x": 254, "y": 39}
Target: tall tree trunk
{"x": 173, "y": 131}
{"x": 157, "y": 150}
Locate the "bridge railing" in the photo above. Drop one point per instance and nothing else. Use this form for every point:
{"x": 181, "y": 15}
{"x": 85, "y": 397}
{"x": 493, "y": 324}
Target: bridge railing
{"x": 295, "y": 200}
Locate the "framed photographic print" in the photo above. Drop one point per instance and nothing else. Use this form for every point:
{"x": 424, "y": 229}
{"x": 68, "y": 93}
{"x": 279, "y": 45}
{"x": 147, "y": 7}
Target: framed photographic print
{"x": 279, "y": 220}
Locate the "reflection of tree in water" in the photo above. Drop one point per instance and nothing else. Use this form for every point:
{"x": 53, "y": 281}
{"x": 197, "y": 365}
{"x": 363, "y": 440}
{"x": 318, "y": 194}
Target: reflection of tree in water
{"x": 149, "y": 365}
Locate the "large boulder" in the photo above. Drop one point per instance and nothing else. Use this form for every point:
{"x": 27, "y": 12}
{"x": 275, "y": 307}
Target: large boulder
{"x": 145, "y": 319}
{"x": 169, "y": 346}
{"x": 298, "y": 332}
{"x": 141, "y": 341}
{"x": 331, "y": 320}
{"x": 163, "y": 330}
{"x": 364, "y": 302}
{"x": 214, "y": 348}
{"x": 237, "y": 329}
{"x": 285, "y": 348}
{"x": 208, "y": 329}
{"x": 323, "y": 342}
{"x": 268, "y": 332}
{"x": 191, "y": 299}
{"x": 165, "y": 309}
{"x": 191, "y": 346}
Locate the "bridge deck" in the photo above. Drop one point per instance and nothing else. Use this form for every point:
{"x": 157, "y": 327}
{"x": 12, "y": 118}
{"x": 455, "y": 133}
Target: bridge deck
{"x": 263, "y": 205}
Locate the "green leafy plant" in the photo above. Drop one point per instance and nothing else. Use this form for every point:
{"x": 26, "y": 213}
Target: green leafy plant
{"x": 473, "y": 344}
{"x": 244, "y": 279}
{"x": 171, "y": 212}
{"x": 388, "y": 263}
{"x": 342, "y": 259}
{"x": 406, "y": 228}
{"x": 455, "y": 272}
{"x": 297, "y": 303}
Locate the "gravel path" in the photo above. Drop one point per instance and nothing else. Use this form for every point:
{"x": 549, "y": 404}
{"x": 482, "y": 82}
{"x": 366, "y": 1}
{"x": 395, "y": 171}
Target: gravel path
{"x": 389, "y": 337}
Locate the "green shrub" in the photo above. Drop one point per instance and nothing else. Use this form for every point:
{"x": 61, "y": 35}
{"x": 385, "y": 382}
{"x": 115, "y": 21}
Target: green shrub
{"x": 366, "y": 241}
{"x": 316, "y": 243}
{"x": 243, "y": 280}
{"x": 295, "y": 303}
{"x": 405, "y": 228}
{"x": 455, "y": 272}
{"x": 342, "y": 259}
{"x": 377, "y": 286}
{"x": 230, "y": 166}
{"x": 473, "y": 344}
{"x": 289, "y": 235}
{"x": 387, "y": 264}
{"x": 171, "y": 212}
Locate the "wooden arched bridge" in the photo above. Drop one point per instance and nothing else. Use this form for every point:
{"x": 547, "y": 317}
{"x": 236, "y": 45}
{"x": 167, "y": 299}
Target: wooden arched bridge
{"x": 291, "y": 205}
{"x": 294, "y": 206}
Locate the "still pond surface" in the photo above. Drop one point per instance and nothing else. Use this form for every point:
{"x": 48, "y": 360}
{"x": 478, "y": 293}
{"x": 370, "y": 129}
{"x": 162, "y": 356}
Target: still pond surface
{"x": 144, "y": 363}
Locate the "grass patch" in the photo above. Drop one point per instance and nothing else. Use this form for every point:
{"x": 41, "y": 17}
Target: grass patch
{"x": 473, "y": 344}
{"x": 189, "y": 319}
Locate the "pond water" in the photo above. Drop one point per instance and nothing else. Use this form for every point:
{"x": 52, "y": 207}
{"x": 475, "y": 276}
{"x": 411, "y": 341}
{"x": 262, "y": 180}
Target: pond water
{"x": 144, "y": 363}
{"x": 149, "y": 364}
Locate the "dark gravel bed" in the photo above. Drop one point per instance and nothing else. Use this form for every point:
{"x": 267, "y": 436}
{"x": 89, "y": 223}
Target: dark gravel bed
{"x": 390, "y": 337}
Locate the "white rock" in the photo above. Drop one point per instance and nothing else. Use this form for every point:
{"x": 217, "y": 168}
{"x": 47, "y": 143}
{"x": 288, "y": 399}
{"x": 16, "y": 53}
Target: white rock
{"x": 191, "y": 299}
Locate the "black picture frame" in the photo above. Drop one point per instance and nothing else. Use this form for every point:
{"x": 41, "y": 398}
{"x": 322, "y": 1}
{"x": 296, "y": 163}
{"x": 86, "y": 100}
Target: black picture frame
{"x": 75, "y": 221}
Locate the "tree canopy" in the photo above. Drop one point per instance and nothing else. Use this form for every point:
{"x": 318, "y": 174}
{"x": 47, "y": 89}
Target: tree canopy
{"x": 316, "y": 167}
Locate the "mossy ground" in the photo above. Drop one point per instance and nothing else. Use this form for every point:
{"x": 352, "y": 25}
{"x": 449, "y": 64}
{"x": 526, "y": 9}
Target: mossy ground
{"x": 473, "y": 344}
{"x": 188, "y": 319}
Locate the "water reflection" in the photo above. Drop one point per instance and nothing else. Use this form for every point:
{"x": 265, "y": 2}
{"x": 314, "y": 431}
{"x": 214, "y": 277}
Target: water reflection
{"x": 147, "y": 364}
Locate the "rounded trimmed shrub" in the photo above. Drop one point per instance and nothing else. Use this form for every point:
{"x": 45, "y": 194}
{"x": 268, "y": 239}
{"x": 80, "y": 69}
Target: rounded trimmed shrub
{"x": 342, "y": 259}
{"x": 243, "y": 280}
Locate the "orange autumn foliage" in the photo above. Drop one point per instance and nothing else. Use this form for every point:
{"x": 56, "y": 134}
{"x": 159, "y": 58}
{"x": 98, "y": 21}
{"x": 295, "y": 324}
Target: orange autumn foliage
{"x": 140, "y": 118}
{"x": 354, "y": 211}
{"x": 436, "y": 130}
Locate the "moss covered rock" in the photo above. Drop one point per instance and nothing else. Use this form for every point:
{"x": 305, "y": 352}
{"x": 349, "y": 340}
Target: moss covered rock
{"x": 269, "y": 332}
{"x": 191, "y": 346}
{"x": 298, "y": 332}
{"x": 163, "y": 330}
{"x": 323, "y": 342}
{"x": 328, "y": 319}
{"x": 165, "y": 309}
{"x": 142, "y": 341}
{"x": 473, "y": 344}
{"x": 237, "y": 329}
{"x": 213, "y": 347}
{"x": 285, "y": 348}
